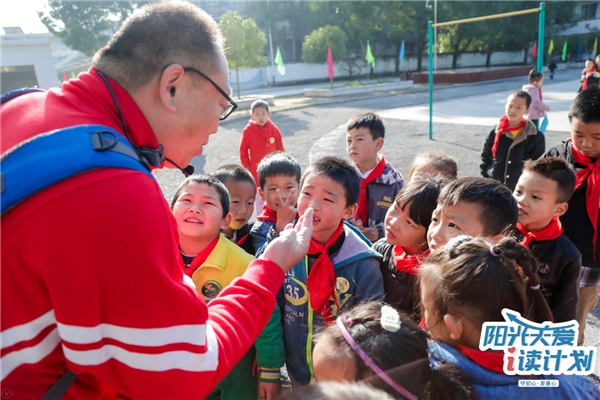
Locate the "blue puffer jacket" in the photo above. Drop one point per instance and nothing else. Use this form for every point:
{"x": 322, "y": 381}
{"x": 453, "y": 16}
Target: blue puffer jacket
{"x": 490, "y": 385}
{"x": 358, "y": 278}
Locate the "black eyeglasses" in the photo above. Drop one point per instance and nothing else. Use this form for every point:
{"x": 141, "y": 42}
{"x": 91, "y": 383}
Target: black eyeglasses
{"x": 231, "y": 105}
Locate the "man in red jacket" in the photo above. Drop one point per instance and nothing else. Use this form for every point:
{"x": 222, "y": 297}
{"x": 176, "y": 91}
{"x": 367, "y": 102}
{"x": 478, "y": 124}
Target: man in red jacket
{"x": 91, "y": 281}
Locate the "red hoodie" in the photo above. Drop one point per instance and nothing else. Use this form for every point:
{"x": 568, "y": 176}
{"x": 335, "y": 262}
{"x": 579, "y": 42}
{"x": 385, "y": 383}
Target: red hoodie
{"x": 91, "y": 279}
{"x": 258, "y": 141}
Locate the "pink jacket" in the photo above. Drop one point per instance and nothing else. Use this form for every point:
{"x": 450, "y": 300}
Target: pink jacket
{"x": 538, "y": 108}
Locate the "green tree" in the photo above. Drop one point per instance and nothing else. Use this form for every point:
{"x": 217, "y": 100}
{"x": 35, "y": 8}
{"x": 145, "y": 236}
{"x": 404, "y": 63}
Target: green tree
{"x": 86, "y": 26}
{"x": 245, "y": 43}
{"x": 315, "y": 45}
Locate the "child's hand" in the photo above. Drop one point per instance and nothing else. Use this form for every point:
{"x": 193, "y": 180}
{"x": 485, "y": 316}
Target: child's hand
{"x": 286, "y": 212}
{"x": 358, "y": 224}
{"x": 371, "y": 233}
{"x": 269, "y": 390}
{"x": 292, "y": 244}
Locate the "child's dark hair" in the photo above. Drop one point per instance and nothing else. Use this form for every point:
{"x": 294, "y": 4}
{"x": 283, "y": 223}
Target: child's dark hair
{"x": 278, "y": 163}
{"x": 259, "y": 104}
{"x": 421, "y": 195}
{"x": 369, "y": 120}
{"x": 209, "y": 180}
{"x": 234, "y": 172}
{"x": 499, "y": 210}
{"x": 522, "y": 94}
{"x": 403, "y": 355}
{"x": 340, "y": 171}
{"x": 335, "y": 391}
{"x": 586, "y": 106}
{"x": 558, "y": 170}
{"x": 471, "y": 277}
{"x": 535, "y": 76}
{"x": 441, "y": 162}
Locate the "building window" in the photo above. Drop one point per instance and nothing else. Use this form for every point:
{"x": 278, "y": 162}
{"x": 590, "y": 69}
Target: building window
{"x": 588, "y": 11}
{"x": 16, "y": 77}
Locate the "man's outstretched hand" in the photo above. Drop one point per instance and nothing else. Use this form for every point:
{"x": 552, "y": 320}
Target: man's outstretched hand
{"x": 292, "y": 244}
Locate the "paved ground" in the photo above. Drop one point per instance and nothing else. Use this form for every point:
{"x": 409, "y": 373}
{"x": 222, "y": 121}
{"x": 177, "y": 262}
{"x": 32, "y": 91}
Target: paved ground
{"x": 463, "y": 116}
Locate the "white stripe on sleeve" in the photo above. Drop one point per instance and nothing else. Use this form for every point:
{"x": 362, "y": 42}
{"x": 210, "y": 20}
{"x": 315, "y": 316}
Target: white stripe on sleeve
{"x": 26, "y": 331}
{"x": 29, "y": 355}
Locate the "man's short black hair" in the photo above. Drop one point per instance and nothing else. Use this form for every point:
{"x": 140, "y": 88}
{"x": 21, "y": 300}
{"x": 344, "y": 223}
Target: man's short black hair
{"x": 522, "y": 94}
{"x": 499, "y": 210}
{"x": 234, "y": 172}
{"x": 586, "y": 106}
{"x": 558, "y": 170}
{"x": 278, "y": 163}
{"x": 340, "y": 171}
{"x": 212, "y": 182}
{"x": 369, "y": 120}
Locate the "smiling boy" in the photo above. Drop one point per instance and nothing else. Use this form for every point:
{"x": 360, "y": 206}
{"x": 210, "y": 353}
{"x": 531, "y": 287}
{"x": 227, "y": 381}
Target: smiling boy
{"x": 542, "y": 193}
{"x": 513, "y": 141}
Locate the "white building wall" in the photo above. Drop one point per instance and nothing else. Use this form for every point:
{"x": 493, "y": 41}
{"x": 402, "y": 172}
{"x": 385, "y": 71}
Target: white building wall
{"x": 30, "y": 49}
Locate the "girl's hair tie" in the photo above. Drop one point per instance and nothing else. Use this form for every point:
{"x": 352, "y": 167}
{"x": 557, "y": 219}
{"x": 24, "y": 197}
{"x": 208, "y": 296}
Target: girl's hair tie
{"x": 349, "y": 321}
{"x": 536, "y": 287}
{"x": 492, "y": 252}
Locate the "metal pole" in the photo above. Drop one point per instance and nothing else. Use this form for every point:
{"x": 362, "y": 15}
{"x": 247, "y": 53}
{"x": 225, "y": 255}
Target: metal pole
{"x": 271, "y": 67}
{"x": 487, "y": 17}
{"x": 435, "y": 41}
{"x": 540, "y": 55}
{"x": 430, "y": 33}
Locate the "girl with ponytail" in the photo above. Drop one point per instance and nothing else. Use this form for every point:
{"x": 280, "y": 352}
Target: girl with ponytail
{"x": 471, "y": 281}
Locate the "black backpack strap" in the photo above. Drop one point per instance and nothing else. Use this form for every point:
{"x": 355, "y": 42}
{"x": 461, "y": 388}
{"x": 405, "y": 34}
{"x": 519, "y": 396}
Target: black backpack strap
{"x": 60, "y": 387}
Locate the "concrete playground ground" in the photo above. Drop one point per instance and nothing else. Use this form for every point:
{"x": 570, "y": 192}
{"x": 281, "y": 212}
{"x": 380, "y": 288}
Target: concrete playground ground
{"x": 463, "y": 116}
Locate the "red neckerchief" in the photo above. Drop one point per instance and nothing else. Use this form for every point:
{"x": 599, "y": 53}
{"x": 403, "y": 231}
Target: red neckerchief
{"x": 201, "y": 257}
{"x": 584, "y": 84}
{"x": 592, "y": 193}
{"x": 553, "y": 230}
{"x": 362, "y": 211}
{"x": 486, "y": 359}
{"x": 321, "y": 278}
{"x": 500, "y": 129}
{"x": 242, "y": 240}
{"x": 408, "y": 263}
{"x": 267, "y": 214}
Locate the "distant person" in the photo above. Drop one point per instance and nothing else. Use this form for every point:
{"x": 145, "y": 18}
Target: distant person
{"x": 201, "y": 209}
{"x": 589, "y": 75}
{"x": 513, "y": 141}
{"x": 341, "y": 269}
{"x": 581, "y": 220}
{"x": 242, "y": 193}
{"x": 538, "y": 108}
{"x": 542, "y": 194}
{"x": 92, "y": 288}
{"x": 279, "y": 179}
{"x": 379, "y": 181}
{"x": 553, "y": 66}
{"x": 433, "y": 163}
{"x": 259, "y": 138}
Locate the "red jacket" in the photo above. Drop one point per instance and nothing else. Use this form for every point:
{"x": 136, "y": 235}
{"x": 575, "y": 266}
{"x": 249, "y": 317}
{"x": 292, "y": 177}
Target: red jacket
{"x": 91, "y": 279}
{"x": 258, "y": 141}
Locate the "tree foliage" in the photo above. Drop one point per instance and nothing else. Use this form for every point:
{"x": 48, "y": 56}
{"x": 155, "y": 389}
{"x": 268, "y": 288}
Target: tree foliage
{"x": 245, "y": 43}
{"x": 316, "y": 43}
{"x": 86, "y": 26}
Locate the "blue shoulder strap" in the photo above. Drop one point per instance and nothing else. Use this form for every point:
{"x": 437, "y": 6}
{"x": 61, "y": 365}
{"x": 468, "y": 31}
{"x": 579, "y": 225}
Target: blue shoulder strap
{"x": 52, "y": 157}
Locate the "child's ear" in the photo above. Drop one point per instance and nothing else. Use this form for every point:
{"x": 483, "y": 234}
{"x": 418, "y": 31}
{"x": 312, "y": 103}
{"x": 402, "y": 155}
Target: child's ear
{"x": 261, "y": 194}
{"x": 561, "y": 209}
{"x": 350, "y": 211}
{"x": 379, "y": 144}
{"x": 226, "y": 221}
{"x": 455, "y": 326}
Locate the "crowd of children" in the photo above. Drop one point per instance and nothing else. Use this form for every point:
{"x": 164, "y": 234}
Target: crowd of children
{"x": 401, "y": 276}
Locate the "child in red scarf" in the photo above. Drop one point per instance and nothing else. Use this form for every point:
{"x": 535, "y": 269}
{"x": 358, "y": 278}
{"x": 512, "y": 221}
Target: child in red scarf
{"x": 513, "y": 141}
{"x": 404, "y": 247}
{"x": 380, "y": 183}
{"x": 340, "y": 269}
{"x": 542, "y": 194}
{"x": 589, "y": 75}
{"x": 470, "y": 282}
{"x": 580, "y": 222}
